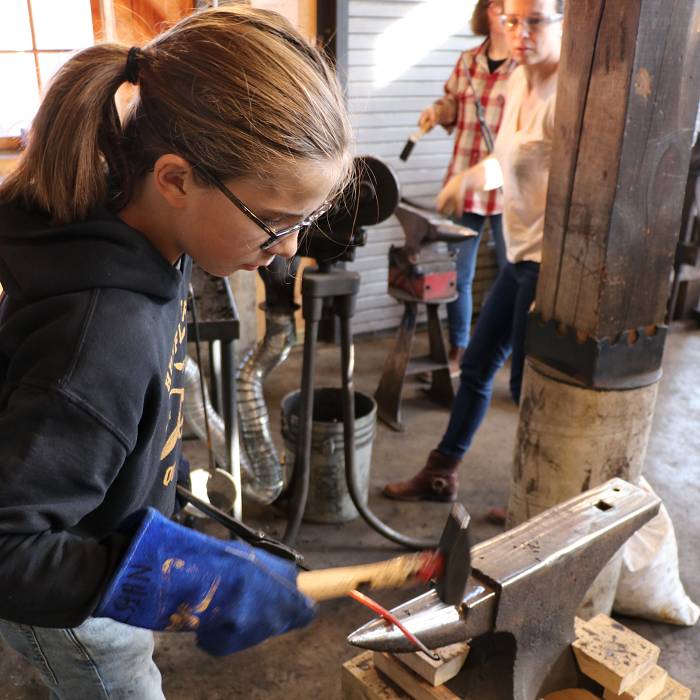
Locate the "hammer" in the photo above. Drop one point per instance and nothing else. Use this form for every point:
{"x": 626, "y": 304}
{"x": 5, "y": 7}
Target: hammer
{"x": 449, "y": 564}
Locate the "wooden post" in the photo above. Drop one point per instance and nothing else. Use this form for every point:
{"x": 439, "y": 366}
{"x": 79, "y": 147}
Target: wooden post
{"x": 629, "y": 84}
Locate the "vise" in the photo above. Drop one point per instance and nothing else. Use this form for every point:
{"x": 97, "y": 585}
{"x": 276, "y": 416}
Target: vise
{"x": 521, "y": 598}
{"x": 416, "y": 268}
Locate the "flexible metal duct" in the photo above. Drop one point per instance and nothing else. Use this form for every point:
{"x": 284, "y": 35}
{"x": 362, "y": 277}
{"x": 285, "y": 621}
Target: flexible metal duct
{"x": 193, "y": 411}
{"x": 266, "y": 477}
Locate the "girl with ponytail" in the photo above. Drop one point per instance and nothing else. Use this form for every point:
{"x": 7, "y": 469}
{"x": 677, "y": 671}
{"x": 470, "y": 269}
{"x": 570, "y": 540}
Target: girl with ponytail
{"x": 236, "y": 140}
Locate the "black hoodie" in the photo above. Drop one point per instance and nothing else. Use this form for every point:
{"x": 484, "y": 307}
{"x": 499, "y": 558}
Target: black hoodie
{"x": 92, "y": 345}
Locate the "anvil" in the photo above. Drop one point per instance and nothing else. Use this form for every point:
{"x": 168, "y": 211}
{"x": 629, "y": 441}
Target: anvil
{"x": 416, "y": 268}
{"x": 522, "y": 595}
{"x": 422, "y": 226}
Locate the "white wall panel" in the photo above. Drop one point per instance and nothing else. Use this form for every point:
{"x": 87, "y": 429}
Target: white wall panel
{"x": 390, "y": 78}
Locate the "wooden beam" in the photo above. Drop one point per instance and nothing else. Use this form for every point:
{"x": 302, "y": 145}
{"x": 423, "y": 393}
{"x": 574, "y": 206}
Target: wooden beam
{"x": 629, "y": 84}
{"x": 579, "y": 194}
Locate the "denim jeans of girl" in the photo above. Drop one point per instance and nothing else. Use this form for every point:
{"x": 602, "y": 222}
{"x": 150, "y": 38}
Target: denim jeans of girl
{"x": 459, "y": 312}
{"x": 97, "y": 660}
{"x": 499, "y": 331}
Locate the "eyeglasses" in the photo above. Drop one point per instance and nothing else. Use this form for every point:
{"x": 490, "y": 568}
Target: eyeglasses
{"x": 274, "y": 237}
{"x": 531, "y": 24}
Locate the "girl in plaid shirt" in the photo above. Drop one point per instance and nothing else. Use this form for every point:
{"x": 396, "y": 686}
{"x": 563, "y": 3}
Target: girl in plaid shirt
{"x": 475, "y": 89}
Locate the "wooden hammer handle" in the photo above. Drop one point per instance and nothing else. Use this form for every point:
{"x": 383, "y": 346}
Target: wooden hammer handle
{"x": 324, "y": 584}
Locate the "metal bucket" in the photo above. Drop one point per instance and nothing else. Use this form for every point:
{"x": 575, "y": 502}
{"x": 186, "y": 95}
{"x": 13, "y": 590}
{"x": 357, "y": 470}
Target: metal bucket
{"x": 329, "y": 500}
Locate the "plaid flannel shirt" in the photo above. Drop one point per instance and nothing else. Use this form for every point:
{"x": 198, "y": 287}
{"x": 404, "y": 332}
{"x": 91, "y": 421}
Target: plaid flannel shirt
{"x": 469, "y": 144}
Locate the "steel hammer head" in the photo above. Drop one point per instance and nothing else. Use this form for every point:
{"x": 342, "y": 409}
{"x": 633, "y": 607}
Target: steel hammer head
{"x": 454, "y": 550}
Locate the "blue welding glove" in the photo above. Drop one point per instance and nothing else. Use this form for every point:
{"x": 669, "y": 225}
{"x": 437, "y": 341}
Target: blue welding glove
{"x": 231, "y": 594}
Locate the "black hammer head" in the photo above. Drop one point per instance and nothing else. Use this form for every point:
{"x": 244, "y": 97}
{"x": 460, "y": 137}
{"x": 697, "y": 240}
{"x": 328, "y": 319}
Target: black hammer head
{"x": 454, "y": 548}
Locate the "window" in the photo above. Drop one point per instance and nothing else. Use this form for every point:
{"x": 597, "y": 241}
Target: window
{"x": 36, "y": 38}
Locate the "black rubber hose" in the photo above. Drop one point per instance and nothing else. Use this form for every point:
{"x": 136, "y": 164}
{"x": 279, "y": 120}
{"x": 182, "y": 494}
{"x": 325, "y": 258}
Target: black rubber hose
{"x": 348, "y": 399}
{"x": 299, "y": 491}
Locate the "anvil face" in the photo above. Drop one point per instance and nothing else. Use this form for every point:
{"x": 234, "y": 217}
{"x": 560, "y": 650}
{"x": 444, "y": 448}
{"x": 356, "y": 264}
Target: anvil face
{"x": 526, "y": 586}
{"x": 423, "y": 226}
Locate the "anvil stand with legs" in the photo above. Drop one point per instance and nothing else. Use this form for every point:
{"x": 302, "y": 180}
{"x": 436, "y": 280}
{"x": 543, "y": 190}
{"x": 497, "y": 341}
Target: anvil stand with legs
{"x": 336, "y": 289}
{"x": 399, "y": 364}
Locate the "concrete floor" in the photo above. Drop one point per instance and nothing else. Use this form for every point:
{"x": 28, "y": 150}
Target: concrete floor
{"x": 306, "y": 664}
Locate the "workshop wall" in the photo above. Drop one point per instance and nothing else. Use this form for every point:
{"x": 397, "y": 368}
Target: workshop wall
{"x": 301, "y": 13}
{"x": 399, "y": 55}
{"x": 135, "y": 21}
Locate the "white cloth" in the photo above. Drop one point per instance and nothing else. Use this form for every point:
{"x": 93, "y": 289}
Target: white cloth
{"x": 523, "y": 151}
{"x": 650, "y": 584}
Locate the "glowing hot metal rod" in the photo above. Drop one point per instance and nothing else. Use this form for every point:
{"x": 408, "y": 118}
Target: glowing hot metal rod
{"x": 522, "y": 595}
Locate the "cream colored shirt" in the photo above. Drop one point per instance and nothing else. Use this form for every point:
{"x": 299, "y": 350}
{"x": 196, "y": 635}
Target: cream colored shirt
{"x": 523, "y": 152}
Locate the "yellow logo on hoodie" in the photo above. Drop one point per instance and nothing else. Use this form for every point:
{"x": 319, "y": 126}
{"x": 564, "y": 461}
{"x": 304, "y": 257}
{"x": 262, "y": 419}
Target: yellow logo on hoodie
{"x": 174, "y": 385}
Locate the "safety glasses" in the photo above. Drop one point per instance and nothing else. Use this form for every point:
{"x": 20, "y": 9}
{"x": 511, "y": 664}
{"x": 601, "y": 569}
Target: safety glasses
{"x": 274, "y": 237}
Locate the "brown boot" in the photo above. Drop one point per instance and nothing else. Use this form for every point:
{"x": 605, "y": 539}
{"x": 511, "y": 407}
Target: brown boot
{"x": 437, "y": 481}
{"x": 496, "y": 515}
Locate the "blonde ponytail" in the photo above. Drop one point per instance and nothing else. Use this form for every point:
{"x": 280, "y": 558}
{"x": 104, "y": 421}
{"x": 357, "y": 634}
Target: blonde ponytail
{"x": 74, "y": 138}
{"x": 234, "y": 90}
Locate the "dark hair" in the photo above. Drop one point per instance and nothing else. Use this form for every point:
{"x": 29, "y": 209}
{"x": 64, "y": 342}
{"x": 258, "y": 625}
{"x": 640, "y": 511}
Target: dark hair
{"x": 480, "y": 18}
{"x": 234, "y": 90}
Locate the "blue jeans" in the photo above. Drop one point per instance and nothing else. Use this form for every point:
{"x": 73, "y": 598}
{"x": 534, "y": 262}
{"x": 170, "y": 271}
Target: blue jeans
{"x": 99, "y": 659}
{"x": 459, "y": 312}
{"x": 499, "y": 330}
